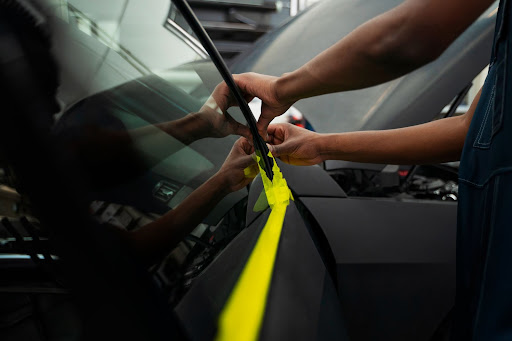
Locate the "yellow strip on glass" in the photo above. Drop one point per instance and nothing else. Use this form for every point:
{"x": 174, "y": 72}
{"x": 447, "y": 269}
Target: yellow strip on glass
{"x": 243, "y": 313}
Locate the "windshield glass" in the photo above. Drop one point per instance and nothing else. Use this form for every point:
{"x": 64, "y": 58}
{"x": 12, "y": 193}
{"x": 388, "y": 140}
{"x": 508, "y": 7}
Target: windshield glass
{"x": 144, "y": 116}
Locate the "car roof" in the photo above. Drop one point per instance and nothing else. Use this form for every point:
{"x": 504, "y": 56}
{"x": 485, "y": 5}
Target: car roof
{"x": 413, "y": 99}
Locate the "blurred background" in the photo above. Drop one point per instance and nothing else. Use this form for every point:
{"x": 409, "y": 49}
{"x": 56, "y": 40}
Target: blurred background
{"x": 235, "y": 25}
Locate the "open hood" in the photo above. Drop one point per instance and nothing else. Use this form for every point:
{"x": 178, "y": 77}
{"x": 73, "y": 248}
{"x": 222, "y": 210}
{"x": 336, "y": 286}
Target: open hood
{"x": 412, "y": 99}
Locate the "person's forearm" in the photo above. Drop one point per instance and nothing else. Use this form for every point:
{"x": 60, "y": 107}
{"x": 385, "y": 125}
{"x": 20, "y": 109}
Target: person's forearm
{"x": 384, "y": 48}
{"x": 433, "y": 142}
{"x": 154, "y": 143}
{"x": 352, "y": 63}
{"x": 159, "y": 237}
{"x": 186, "y": 129}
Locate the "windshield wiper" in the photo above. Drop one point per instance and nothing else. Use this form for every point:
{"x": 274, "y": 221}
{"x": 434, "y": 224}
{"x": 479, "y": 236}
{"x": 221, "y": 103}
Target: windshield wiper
{"x": 260, "y": 146}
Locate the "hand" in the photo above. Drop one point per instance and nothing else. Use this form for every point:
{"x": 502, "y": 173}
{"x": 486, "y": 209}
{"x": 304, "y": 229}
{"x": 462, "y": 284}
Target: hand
{"x": 214, "y": 113}
{"x": 264, "y": 87}
{"x": 294, "y": 145}
{"x": 233, "y": 171}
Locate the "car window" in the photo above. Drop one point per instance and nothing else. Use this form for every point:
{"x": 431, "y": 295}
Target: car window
{"x": 141, "y": 110}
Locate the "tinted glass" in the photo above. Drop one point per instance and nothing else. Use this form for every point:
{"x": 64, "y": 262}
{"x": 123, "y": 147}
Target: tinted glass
{"x": 140, "y": 110}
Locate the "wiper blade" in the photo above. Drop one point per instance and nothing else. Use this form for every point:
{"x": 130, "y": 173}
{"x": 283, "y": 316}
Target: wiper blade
{"x": 260, "y": 146}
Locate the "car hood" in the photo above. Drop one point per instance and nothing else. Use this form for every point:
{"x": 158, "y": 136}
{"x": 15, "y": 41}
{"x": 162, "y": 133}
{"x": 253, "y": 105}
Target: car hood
{"x": 413, "y": 99}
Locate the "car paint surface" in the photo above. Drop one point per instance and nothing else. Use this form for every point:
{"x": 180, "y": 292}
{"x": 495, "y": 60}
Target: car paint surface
{"x": 413, "y": 99}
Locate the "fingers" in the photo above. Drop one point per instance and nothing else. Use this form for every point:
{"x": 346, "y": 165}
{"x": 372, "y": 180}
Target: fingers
{"x": 245, "y": 145}
{"x": 281, "y": 139}
{"x": 248, "y": 97}
{"x": 267, "y": 115}
{"x": 282, "y": 149}
{"x": 264, "y": 121}
{"x": 221, "y": 97}
{"x": 262, "y": 126}
{"x": 246, "y": 158}
{"x": 276, "y": 133}
{"x": 272, "y": 149}
{"x": 244, "y": 131}
{"x": 224, "y": 98}
{"x": 246, "y": 161}
{"x": 261, "y": 86}
{"x": 242, "y": 80}
{"x": 243, "y": 152}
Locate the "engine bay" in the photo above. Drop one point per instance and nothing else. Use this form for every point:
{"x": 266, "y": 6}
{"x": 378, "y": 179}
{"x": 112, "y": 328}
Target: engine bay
{"x": 428, "y": 182}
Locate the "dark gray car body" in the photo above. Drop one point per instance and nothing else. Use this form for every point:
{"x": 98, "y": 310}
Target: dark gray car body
{"x": 347, "y": 267}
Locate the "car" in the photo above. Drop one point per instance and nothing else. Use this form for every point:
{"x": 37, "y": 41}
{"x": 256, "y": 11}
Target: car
{"x": 366, "y": 252}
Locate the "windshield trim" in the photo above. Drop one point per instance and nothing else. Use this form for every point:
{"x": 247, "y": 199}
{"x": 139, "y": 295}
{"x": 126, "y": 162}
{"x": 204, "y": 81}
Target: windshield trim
{"x": 192, "y": 42}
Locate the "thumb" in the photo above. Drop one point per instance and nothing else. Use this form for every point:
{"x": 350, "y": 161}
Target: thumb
{"x": 272, "y": 149}
{"x": 280, "y": 149}
{"x": 262, "y": 126}
{"x": 246, "y": 161}
{"x": 267, "y": 115}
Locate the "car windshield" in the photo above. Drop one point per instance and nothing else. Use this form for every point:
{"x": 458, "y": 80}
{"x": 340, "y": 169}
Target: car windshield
{"x": 140, "y": 108}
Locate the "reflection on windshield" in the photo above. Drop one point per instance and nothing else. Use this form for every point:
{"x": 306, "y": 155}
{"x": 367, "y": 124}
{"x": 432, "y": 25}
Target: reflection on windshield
{"x": 124, "y": 123}
{"x": 90, "y": 27}
{"x": 146, "y": 119}
{"x": 132, "y": 173}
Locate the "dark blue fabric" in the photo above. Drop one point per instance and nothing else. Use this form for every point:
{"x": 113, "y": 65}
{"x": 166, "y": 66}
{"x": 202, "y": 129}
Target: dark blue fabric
{"x": 484, "y": 235}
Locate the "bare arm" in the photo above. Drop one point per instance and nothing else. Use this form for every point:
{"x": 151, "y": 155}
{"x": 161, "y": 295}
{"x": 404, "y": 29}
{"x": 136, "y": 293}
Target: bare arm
{"x": 155, "y": 239}
{"x": 392, "y": 44}
{"x": 386, "y": 47}
{"x": 132, "y": 152}
{"x": 433, "y": 142}
{"x": 159, "y": 237}
{"x": 212, "y": 120}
